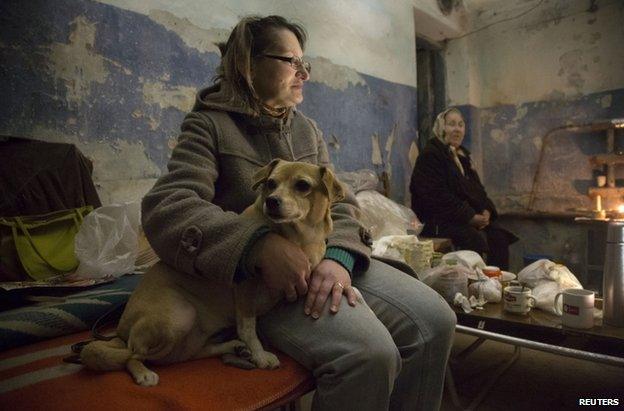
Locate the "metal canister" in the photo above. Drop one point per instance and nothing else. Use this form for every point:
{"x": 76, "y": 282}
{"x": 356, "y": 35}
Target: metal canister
{"x": 613, "y": 276}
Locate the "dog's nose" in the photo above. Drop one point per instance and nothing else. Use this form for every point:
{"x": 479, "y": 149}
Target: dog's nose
{"x": 272, "y": 203}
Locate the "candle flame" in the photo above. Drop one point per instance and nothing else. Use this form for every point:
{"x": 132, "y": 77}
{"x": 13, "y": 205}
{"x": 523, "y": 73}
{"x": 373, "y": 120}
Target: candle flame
{"x": 620, "y": 208}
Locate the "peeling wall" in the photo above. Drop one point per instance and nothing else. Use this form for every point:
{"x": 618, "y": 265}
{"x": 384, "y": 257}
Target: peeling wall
{"x": 366, "y": 35}
{"x": 554, "y": 65}
{"x": 74, "y": 64}
{"x": 557, "y": 51}
{"x": 520, "y": 70}
{"x": 116, "y": 77}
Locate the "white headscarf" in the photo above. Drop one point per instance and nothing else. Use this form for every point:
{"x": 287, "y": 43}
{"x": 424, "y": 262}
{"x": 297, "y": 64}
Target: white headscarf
{"x": 438, "y": 132}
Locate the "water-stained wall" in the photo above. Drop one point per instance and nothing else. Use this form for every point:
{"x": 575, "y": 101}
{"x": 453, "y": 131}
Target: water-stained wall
{"x": 116, "y": 77}
{"x": 520, "y": 70}
{"x": 537, "y": 66}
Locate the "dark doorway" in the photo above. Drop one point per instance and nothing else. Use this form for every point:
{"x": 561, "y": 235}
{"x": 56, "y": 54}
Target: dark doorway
{"x": 430, "y": 80}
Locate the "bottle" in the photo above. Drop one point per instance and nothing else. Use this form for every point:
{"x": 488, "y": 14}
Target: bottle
{"x": 613, "y": 276}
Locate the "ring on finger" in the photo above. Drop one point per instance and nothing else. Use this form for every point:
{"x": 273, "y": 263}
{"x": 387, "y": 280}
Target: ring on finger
{"x": 339, "y": 284}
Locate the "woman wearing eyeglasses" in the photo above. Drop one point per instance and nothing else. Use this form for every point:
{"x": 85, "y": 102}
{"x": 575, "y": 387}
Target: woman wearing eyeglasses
{"x": 391, "y": 355}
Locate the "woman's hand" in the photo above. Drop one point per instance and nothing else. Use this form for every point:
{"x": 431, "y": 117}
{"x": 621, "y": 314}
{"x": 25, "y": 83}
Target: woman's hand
{"x": 283, "y": 265}
{"x": 329, "y": 280}
{"x": 486, "y": 214}
{"x": 480, "y": 221}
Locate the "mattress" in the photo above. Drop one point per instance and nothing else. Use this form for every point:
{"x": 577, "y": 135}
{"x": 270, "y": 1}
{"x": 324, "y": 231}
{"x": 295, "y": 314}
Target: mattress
{"x": 35, "y": 377}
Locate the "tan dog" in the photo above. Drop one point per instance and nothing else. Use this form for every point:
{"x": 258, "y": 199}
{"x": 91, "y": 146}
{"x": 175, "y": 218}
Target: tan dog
{"x": 172, "y": 317}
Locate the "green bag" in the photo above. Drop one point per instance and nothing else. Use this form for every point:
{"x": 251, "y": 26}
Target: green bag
{"x": 40, "y": 246}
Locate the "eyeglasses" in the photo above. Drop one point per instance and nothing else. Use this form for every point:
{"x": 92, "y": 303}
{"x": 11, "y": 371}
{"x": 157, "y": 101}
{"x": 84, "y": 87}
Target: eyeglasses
{"x": 295, "y": 62}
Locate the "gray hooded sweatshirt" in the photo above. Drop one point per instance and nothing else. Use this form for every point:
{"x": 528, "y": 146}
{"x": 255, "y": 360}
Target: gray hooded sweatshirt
{"x": 191, "y": 215}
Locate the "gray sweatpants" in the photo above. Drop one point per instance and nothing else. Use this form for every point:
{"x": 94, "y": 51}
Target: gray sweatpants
{"x": 391, "y": 356}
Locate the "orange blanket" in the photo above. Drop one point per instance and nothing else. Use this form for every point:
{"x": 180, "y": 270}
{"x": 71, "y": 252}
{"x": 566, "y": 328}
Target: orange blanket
{"x": 35, "y": 377}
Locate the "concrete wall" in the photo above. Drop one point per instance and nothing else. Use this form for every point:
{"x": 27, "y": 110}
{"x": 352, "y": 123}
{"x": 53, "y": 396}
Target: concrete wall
{"x": 557, "y": 64}
{"x": 116, "y": 77}
{"x": 519, "y": 70}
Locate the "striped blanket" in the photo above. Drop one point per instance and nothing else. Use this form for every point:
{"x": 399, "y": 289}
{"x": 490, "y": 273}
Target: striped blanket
{"x": 63, "y": 315}
{"x": 34, "y": 377}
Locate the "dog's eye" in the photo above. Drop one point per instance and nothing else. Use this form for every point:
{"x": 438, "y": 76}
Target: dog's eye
{"x": 271, "y": 184}
{"x": 302, "y": 186}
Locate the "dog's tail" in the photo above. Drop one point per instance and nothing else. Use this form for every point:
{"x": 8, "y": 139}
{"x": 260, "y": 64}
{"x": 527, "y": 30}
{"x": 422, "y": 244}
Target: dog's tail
{"x": 106, "y": 355}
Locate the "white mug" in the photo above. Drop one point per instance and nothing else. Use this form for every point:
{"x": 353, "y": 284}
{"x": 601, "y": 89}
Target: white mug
{"x": 578, "y": 308}
{"x": 517, "y": 299}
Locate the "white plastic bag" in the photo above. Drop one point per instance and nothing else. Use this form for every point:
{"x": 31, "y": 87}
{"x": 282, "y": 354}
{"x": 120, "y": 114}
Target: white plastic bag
{"x": 359, "y": 180}
{"x": 392, "y": 246}
{"x": 107, "y": 242}
{"x": 447, "y": 280}
{"x": 467, "y": 258}
{"x": 384, "y": 217}
{"x": 546, "y": 279}
{"x": 490, "y": 289}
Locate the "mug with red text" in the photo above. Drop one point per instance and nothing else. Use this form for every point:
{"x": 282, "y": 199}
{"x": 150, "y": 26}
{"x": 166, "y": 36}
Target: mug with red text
{"x": 518, "y": 299}
{"x": 577, "y": 309}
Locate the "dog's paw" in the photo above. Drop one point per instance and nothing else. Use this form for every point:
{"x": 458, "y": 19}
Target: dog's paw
{"x": 265, "y": 360}
{"x": 242, "y": 351}
{"x": 146, "y": 379}
{"x": 235, "y": 361}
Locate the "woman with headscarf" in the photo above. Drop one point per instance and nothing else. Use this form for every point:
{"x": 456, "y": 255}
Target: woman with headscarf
{"x": 388, "y": 352}
{"x": 448, "y": 197}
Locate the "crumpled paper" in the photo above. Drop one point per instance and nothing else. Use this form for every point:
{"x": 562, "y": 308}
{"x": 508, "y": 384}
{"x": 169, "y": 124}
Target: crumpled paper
{"x": 469, "y": 304}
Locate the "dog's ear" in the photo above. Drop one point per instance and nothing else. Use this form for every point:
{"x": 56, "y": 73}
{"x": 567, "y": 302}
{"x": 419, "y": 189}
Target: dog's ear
{"x": 263, "y": 174}
{"x": 334, "y": 188}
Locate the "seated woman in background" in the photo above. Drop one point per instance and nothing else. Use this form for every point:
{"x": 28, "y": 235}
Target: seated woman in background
{"x": 448, "y": 197}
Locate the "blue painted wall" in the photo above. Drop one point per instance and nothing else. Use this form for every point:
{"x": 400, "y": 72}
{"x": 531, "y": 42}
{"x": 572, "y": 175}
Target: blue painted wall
{"x": 511, "y": 137}
{"x": 137, "y": 50}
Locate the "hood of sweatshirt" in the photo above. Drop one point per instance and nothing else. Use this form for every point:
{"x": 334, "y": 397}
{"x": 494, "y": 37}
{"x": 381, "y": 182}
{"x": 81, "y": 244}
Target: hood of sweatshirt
{"x": 220, "y": 97}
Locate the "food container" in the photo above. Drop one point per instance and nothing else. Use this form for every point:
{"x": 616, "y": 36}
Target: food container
{"x": 491, "y": 271}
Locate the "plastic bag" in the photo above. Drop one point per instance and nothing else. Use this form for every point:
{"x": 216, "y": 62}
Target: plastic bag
{"x": 384, "y": 217}
{"x": 107, "y": 242}
{"x": 359, "y": 180}
{"x": 385, "y": 247}
{"x": 447, "y": 280}
{"x": 467, "y": 258}
{"x": 546, "y": 279}
{"x": 489, "y": 289}
{"x": 417, "y": 254}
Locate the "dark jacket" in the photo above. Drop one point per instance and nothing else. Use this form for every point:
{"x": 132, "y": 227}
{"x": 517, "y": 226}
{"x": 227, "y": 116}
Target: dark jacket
{"x": 191, "y": 216}
{"x": 441, "y": 194}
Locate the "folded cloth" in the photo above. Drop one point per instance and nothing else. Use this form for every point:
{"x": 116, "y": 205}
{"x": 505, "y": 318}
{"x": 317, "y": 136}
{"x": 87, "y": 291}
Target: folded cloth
{"x": 37, "y": 177}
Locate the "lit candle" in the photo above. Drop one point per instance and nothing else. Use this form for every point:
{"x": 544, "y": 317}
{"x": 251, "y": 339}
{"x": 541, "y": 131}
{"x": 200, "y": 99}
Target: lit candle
{"x": 598, "y": 202}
